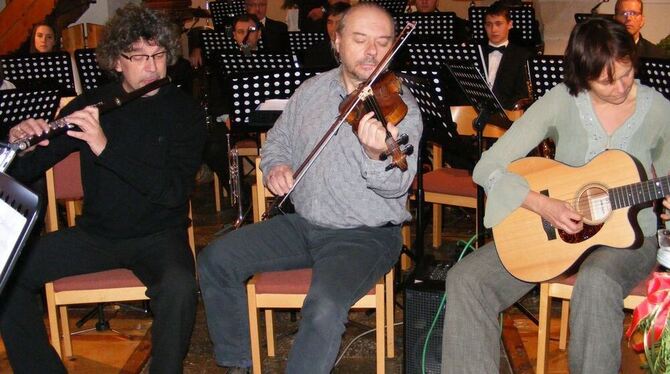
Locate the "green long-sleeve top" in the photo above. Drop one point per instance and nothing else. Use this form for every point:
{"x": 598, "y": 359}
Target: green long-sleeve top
{"x": 572, "y": 124}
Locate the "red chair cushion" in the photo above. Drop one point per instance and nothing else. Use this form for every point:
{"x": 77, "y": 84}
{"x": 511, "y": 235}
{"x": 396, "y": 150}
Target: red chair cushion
{"x": 449, "y": 181}
{"x": 67, "y": 178}
{"x": 290, "y": 282}
{"x": 115, "y": 278}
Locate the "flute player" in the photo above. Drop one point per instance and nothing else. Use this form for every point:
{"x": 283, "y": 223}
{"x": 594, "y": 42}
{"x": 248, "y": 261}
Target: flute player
{"x": 138, "y": 164}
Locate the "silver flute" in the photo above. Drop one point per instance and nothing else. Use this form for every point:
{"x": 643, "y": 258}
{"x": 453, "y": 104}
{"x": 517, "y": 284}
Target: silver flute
{"x": 235, "y": 183}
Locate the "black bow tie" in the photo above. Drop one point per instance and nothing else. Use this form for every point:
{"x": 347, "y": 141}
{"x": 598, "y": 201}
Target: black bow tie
{"x": 490, "y": 48}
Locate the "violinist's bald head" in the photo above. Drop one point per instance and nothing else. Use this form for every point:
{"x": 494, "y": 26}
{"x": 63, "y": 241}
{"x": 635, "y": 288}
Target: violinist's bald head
{"x": 366, "y": 11}
{"x": 364, "y": 35}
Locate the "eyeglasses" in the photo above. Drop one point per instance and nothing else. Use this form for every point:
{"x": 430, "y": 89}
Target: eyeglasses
{"x": 629, "y": 14}
{"x": 158, "y": 56}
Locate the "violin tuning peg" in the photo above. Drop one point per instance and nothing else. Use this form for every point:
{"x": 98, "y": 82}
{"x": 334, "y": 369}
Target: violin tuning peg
{"x": 402, "y": 139}
{"x": 383, "y": 156}
{"x": 407, "y": 150}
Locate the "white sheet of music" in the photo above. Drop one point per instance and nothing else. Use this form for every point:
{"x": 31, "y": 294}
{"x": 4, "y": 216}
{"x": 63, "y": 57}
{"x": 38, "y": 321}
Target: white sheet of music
{"x": 11, "y": 224}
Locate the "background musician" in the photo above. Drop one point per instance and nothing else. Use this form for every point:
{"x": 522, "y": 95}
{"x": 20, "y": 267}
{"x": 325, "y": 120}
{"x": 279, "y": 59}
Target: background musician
{"x": 138, "y": 164}
{"x": 505, "y": 61}
{"x": 599, "y": 106}
{"x": 630, "y": 13}
{"x": 275, "y": 33}
{"x": 348, "y": 209}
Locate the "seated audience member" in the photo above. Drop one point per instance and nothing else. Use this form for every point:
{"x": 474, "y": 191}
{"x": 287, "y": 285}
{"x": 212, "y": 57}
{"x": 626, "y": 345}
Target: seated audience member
{"x": 630, "y": 14}
{"x": 44, "y": 39}
{"x": 322, "y": 54}
{"x": 275, "y": 33}
{"x": 505, "y": 62}
{"x": 138, "y": 166}
{"x": 599, "y": 106}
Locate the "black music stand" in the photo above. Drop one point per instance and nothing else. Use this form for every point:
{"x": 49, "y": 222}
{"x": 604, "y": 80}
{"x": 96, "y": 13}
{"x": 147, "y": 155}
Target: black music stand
{"x": 437, "y": 25}
{"x": 248, "y": 90}
{"x": 233, "y": 63}
{"x": 214, "y": 42}
{"x": 525, "y": 31}
{"x": 544, "y": 72}
{"x": 655, "y": 72}
{"x": 581, "y": 17}
{"x": 395, "y": 7}
{"x": 489, "y": 110}
{"x": 428, "y": 89}
{"x": 223, "y": 12}
{"x": 90, "y": 74}
{"x": 19, "y": 209}
{"x": 40, "y": 71}
{"x": 19, "y": 105}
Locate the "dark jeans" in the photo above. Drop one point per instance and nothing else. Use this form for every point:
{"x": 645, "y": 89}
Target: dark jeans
{"x": 346, "y": 264}
{"x": 162, "y": 261}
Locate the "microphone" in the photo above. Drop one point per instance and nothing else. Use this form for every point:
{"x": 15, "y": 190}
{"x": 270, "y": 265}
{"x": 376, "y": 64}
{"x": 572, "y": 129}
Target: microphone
{"x": 246, "y": 48}
{"x": 594, "y": 10}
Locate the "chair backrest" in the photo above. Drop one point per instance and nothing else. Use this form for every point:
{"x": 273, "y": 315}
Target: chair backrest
{"x": 63, "y": 183}
{"x": 261, "y": 192}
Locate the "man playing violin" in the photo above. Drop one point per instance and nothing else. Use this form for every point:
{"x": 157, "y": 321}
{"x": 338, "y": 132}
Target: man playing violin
{"x": 138, "y": 164}
{"x": 348, "y": 208}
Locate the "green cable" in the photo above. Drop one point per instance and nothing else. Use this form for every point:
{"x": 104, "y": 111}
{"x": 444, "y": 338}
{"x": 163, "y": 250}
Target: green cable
{"x": 439, "y": 309}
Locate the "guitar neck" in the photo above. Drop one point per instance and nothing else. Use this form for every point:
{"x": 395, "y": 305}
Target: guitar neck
{"x": 638, "y": 193}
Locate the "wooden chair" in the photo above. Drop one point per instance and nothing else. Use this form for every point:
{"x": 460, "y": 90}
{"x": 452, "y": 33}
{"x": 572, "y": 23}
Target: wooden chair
{"x": 116, "y": 285}
{"x": 288, "y": 289}
{"x": 451, "y": 186}
{"x": 561, "y": 288}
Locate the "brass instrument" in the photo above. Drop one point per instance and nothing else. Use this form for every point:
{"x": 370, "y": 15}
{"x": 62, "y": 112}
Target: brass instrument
{"x": 235, "y": 183}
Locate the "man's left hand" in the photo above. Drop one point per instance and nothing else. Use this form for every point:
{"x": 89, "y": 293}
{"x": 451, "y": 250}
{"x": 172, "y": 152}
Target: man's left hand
{"x": 372, "y": 135}
{"x": 88, "y": 122}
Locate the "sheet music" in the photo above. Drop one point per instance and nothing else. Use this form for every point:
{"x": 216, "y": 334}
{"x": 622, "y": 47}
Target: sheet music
{"x": 273, "y": 104}
{"x": 11, "y": 225}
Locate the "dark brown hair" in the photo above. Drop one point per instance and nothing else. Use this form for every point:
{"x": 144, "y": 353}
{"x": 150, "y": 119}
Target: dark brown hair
{"x": 595, "y": 45}
{"x": 130, "y": 24}
{"x": 498, "y": 9}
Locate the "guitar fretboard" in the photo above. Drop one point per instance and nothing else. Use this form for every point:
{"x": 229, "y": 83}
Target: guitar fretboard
{"x": 638, "y": 193}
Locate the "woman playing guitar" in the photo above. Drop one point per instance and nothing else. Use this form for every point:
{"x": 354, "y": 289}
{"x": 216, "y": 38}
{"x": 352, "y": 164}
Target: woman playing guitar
{"x": 598, "y": 107}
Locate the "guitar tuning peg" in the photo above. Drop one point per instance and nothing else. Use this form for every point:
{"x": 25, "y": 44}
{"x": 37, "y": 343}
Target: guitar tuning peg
{"x": 407, "y": 150}
{"x": 402, "y": 139}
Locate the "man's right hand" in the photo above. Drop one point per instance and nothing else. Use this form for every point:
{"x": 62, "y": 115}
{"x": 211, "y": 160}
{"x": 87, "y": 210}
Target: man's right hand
{"x": 280, "y": 179}
{"x": 29, "y": 128}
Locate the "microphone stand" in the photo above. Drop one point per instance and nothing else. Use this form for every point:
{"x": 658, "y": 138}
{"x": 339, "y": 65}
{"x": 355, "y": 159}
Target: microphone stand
{"x": 594, "y": 10}
{"x": 245, "y": 48}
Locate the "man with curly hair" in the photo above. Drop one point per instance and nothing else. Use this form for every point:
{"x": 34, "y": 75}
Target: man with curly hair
{"x": 138, "y": 165}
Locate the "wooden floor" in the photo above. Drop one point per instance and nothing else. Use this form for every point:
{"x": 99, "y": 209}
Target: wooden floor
{"x": 110, "y": 352}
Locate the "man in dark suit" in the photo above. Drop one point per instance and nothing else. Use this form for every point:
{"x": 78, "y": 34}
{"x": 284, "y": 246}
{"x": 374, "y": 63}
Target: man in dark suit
{"x": 322, "y": 54}
{"x": 505, "y": 62}
{"x": 629, "y": 13}
{"x": 275, "y": 33}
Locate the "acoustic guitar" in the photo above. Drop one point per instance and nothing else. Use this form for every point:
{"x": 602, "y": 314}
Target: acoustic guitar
{"x": 607, "y": 192}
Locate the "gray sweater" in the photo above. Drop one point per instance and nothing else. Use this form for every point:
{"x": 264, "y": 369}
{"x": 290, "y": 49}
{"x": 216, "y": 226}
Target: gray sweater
{"x": 572, "y": 123}
{"x": 343, "y": 188}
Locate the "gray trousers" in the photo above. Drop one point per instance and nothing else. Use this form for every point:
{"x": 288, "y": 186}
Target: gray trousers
{"x": 479, "y": 288}
{"x": 345, "y": 264}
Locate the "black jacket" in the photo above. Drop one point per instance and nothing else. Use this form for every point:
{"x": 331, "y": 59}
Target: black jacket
{"x": 511, "y": 79}
{"x": 275, "y": 36}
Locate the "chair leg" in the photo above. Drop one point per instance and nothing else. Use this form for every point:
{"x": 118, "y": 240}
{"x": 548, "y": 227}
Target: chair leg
{"x": 563, "y": 334}
{"x": 70, "y": 212}
{"x": 543, "y": 329}
{"x": 217, "y": 192}
{"x": 65, "y": 327}
{"x": 253, "y": 327}
{"x": 437, "y": 225}
{"x": 405, "y": 261}
{"x": 270, "y": 332}
{"x": 53, "y": 318}
{"x": 254, "y": 197}
{"x": 380, "y": 318}
{"x": 390, "y": 304}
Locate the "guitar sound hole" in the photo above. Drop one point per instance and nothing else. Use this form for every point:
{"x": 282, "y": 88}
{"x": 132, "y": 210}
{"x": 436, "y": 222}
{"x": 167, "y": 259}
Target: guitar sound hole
{"x": 593, "y": 204}
{"x": 588, "y": 232}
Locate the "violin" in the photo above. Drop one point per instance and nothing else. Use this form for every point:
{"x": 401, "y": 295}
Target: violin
{"x": 382, "y": 98}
